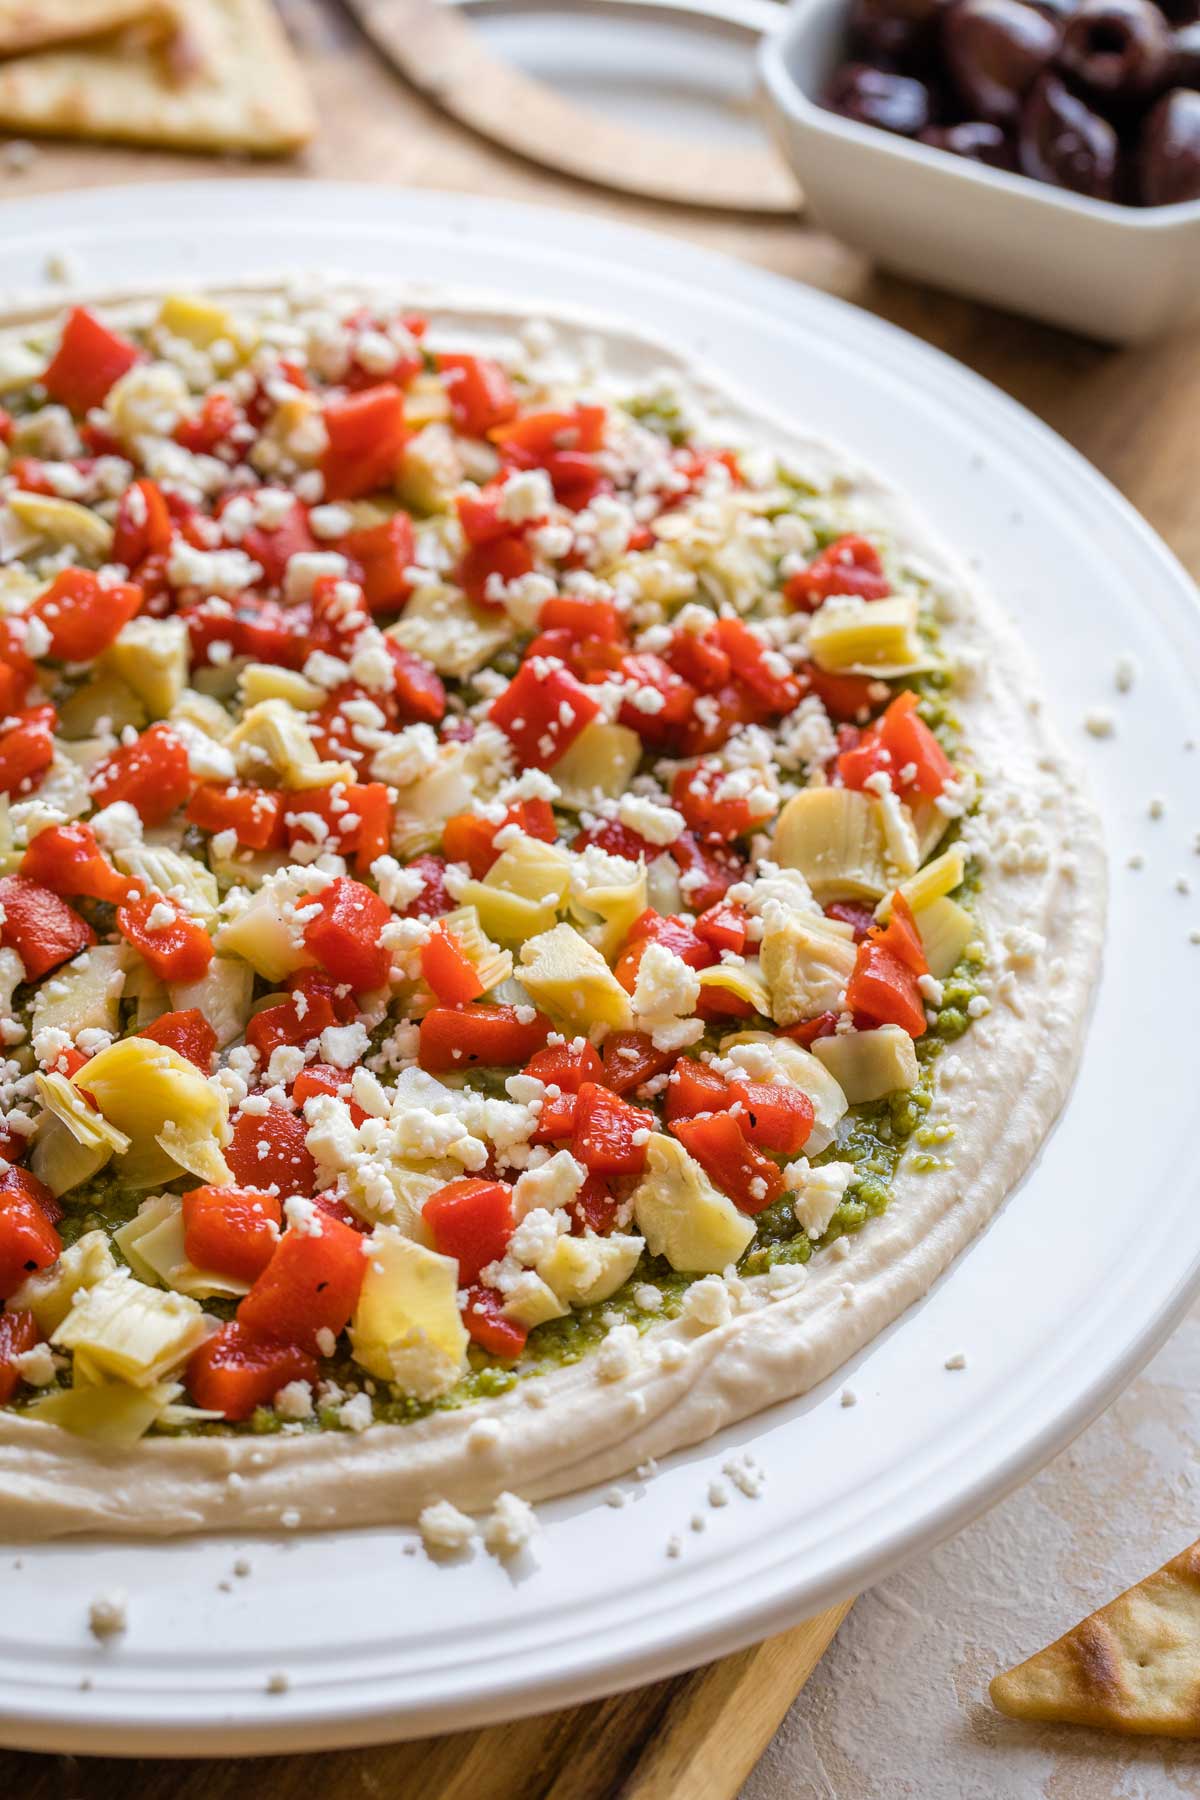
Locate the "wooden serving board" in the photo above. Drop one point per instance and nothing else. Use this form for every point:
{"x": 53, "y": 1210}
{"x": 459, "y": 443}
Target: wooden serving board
{"x": 695, "y": 1737}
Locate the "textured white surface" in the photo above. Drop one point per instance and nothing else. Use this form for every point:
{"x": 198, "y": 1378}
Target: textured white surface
{"x": 1055, "y": 1302}
{"x": 898, "y": 1706}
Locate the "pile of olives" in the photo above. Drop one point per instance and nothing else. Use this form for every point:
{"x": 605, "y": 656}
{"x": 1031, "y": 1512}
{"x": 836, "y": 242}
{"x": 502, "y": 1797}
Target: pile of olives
{"x": 1099, "y": 96}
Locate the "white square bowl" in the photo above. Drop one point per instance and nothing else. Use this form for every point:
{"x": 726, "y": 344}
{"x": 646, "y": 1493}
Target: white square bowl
{"x": 1117, "y": 272}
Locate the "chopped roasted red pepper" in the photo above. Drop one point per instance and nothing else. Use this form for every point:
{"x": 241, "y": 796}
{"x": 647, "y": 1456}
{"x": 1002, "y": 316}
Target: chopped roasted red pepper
{"x": 566, "y": 1066}
{"x": 695, "y": 1088}
{"x": 448, "y": 969}
{"x": 461, "y": 1037}
{"x": 483, "y": 1316}
{"x": 631, "y": 1058}
{"x": 730, "y": 1161}
{"x": 885, "y": 984}
{"x": 28, "y": 1240}
{"x": 344, "y": 937}
{"x": 311, "y": 1284}
{"x": 68, "y": 859}
{"x": 367, "y": 435}
{"x": 83, "y": 614}
{"x": 152, "y": 775}
{"x": 18, "y": 1332}
{"x": 267, "y": 1150}
{"x": 850, "y": 565}
{"x": 166, "y": 936}
{"x": 472, "y": 1221}
{"x": 232, "y": 1230}
{"x": 480, "y": 393}
{"x": 610, "y": 1136}
{"x": 26, "y": 749}
{"x": 253, "y": 814}
{"x": 40, "y": 926}
{"x": 236, "y": 1370}
{"x": 188, "y": 1032}
{"x": 542, "y": 711}
{"x": 774, "y": 1115}
{"x": 89, "y": 359}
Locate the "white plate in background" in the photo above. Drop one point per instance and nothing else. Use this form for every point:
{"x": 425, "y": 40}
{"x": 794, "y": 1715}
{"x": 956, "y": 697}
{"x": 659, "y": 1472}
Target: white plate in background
{"x": 1055, "y": 1305}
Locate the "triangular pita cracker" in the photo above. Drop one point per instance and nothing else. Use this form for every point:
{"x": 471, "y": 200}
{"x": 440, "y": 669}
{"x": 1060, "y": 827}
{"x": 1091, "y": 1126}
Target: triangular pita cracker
{"x": 33, "y": 24}
{"x": 226, "y": 80}
{"x": 1132, "y": 1666}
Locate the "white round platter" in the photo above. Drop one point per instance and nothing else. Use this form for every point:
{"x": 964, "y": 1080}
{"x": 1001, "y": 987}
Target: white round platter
{"x": 1078, "y": 1279}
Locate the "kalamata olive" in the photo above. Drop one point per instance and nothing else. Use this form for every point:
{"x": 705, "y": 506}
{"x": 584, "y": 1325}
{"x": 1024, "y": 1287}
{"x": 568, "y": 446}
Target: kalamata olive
{"x": 1117, "y": 48}
{"x": 1169, "y": 154}
{"x": 876, "y": 97}
{"x": 995, "y": 49}
{"x": 892, "y": 30}
{"x": 977, "y": 140}
{"x": 1185, "y": 56}
{"x": 1064, "y": 142}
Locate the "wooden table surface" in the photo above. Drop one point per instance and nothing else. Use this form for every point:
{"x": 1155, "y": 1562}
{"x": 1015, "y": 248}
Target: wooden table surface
{"x": 1135, "y": 413}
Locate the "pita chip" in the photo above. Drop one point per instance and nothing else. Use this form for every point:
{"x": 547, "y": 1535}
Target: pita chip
{"x": 225, "y": 79}
{"x": 33, "y": 24}
{"x": 1133, "y": 1666}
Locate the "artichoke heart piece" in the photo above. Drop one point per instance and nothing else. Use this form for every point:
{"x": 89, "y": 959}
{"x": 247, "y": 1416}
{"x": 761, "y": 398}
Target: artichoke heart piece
{"x": 263, "y": 937}
{"x": 50, "y": 1295}
{"x": 448, "y": 631}
{"x": 491, "y": 964}
{"x": 683, "y": 1216}
{"x": 505, "y": 915}
{"x": 173, "y": 1116}
{"x": 151, "y": 657}
{"x": 836, "y": 838}
{"x": 606, "y": 914}
{"x": 869, "y": 636}
{"x": 272, "y": 743}
{"x": 929, "y": 826}
{"x": 585, "y": 1270}
{"x": 406, "y": 1327}
{"x": 765, "y": 1057}
{"x": 425, "y": 401}
{"x": 130, "y": 1331}
{"x": 745, "y": 980}
{"x": 84, "y": 996}
{"x": 946, "y": 929}
{"x": 198, "y": 320}
{"x": 867, "y": 1065}
{"x": 394, "y": 1194}
{"x": 152, "y": 1244}
{"x": 530, "y": 1301}
{"x": 571, "y": 981}
{"x": 424, "y": 805}
{"x": 430, "y": 468}
{"x": 534, "y": 870}
{"x": 172, "y": 872}
{"x": 267, "y": 681}
{"x": 102, "y": 696}
{"x": 205, "y": 713}
{"x": 112, "y": 1413}
{"x": 937, "y": 878}
{"x": 805, "y": 967}
{"x": 223, "y": 994}
{"x": 598, "y": 765}
{"x": 88, "y": 1127}
{"x": 60, "y": 1160}
{"x": 63, "y": 523}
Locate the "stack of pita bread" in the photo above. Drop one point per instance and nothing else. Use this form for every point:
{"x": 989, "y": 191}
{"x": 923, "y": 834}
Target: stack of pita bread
{"x": 215, "y": 75}
{"x": 1134, "y": 1666}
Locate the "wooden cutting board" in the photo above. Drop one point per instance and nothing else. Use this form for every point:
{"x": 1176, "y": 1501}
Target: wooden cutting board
{"x": 695, "y": 1737}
